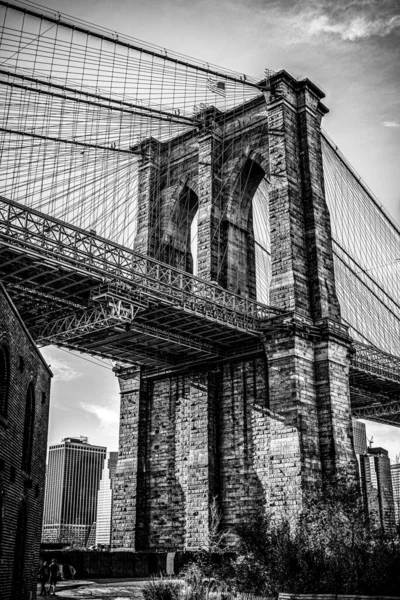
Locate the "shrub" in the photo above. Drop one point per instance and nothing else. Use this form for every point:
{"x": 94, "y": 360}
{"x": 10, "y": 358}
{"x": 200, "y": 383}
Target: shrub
{"x": 330, "y": 548}
{"x": 161, "y": 590}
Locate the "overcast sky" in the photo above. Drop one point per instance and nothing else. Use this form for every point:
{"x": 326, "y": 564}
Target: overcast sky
{"x": 351, "y": 49}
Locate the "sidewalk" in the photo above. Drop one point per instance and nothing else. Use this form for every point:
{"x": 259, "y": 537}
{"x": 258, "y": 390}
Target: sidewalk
{"x": 104, "y": 589}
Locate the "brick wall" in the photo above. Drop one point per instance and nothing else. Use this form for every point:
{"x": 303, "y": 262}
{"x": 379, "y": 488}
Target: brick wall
{"x": 18, "y": 488}
{"x": 255, "y": 433}
{"x": 206, "y": 435}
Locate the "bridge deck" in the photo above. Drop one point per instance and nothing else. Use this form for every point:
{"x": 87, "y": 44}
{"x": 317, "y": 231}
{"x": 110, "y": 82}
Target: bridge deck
{"x": 83, "y": 292}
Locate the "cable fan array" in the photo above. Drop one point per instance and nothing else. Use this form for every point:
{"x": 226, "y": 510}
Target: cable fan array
{"x": 79, "y": 104}
{"x": 366, "y": 245}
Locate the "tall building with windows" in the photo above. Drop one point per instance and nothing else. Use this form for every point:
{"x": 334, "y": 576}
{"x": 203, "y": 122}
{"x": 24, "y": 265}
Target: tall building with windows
{"x": 359, "y": 437}
{"x": 395, "y": 473}
{"x": 104, "y": 500}
{"x": 381, "y": 481}
{"x": 367, "y": 474}
{"x": 72, "y": 482}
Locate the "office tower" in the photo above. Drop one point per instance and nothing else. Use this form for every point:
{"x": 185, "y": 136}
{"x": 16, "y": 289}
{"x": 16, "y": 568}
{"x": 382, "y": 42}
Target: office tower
{"x": 359, "y": 437}
{"x": 381, "y": 481}
{"x": 395, "y": 473}
{"x": 72, "y": 483}
{"x": 104, "y": 500}
{"x": 369, "y": 492}
{"x": 369, "y": 497}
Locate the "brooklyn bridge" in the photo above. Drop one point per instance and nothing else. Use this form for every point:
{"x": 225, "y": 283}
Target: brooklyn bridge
{"x": 198, "y": 227}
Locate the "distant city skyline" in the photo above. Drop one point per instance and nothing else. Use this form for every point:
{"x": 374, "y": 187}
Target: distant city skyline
{"x": 87, "y": 386}
{"x": 351, "y": 50}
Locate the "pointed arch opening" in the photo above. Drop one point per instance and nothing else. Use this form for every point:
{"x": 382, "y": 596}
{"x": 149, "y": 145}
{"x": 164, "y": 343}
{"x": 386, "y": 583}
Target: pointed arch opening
{"x": 179, "y": 247}
{"x": 247, "y": 257}
{"x": 4, "y": 379}
{"x": 27, "y": 446}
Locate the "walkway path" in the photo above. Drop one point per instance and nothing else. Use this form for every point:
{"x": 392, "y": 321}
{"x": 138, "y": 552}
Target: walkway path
{"x": 100, "y": 589}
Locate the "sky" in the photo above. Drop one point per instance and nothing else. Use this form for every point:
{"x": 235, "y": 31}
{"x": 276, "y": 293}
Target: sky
{"x": 350, "y": 49}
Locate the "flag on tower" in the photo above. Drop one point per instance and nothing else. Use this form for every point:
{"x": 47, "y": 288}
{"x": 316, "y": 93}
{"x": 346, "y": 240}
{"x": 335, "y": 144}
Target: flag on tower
{"x": 217, "y": 87}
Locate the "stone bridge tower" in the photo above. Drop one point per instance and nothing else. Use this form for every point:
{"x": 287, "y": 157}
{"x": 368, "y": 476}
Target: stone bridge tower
{"x": 258, "y": 431}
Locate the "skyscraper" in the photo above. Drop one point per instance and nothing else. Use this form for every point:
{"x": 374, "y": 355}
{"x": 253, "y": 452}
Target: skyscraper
{"x": 381, "y": 481}
{"x": 104, "y": 500}
{"x": 72, "y": 482}
{"x": 373, "y": 464}
{"x": 359, "y": 437}
{"x": 395, "y": 473}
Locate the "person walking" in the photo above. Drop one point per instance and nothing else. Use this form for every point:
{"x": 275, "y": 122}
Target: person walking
{"x": 54, "y": 571}
{"x": 44, "y": 575}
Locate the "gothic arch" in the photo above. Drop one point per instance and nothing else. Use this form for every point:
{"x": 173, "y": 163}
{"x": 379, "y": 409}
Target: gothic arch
{"x": 176, "y": 237}
{"x": 239, "y": 265}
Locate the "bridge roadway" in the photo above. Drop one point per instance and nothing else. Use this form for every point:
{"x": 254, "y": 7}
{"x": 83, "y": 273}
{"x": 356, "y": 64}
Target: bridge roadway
{"x": 79, "y": 291}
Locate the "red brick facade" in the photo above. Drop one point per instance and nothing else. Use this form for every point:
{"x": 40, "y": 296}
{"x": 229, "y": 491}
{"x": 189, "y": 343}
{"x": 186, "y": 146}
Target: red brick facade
{"x": 25, "y": 394}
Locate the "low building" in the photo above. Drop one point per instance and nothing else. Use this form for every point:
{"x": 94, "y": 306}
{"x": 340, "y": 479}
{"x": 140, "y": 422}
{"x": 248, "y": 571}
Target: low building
{"x": 72, "y": 483}
{"x": 24, "y": 409}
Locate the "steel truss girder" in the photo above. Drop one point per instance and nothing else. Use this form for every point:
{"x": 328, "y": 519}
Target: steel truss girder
{"x": 38, "y": 235}
{"x": 112, "y": 310}
{"x": 98, "y": 318}
{"x": 373, "y": 360}
{"x": 389, "y": 409}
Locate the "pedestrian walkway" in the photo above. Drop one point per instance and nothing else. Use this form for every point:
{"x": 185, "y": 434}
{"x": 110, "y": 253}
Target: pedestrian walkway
{"x": 104, "y": 589}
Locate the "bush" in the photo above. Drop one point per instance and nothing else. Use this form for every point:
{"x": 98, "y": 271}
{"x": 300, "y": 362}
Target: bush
{"x": 330, "y": 548}
{"x": 161, "y": 590}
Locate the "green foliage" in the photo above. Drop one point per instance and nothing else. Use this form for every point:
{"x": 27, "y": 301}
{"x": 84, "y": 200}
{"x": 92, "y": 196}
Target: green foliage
{"x": 161, "y": 590}
{"x": 331, "y": 548}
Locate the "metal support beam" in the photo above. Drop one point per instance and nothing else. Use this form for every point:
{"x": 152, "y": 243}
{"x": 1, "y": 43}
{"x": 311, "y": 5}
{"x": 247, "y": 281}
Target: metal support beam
{"x": 391, "y": 409}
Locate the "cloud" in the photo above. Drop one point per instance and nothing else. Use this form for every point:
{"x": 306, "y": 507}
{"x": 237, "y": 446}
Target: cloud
{"x": 350, "y": 20}
{"x": 394, "y": 124}
{"x": 62, "y": 371}
{"x": 108, "y": 417}
{"x": 357, "y": 28}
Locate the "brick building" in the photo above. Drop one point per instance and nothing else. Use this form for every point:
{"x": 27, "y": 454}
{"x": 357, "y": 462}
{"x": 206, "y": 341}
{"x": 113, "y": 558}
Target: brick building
{"x": 24, "y": 408}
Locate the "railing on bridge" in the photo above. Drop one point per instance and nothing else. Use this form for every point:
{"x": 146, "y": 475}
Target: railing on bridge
{"x": 32, "y": 232}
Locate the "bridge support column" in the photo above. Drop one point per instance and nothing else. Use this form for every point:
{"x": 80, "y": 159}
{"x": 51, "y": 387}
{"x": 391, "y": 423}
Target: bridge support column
{"x": 128, "y": 489}
{"x": 209, "y": 194}
{"x": 295, "y": 466}
{"x": 200, "y": 472}
{"x": 146, "y": 240}
{"x": 334, "y": 411}
{"x": 289, "y": 285}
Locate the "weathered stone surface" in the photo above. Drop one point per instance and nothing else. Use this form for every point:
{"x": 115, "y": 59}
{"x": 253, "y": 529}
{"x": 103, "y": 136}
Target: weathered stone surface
{"x": 261, "y": 431}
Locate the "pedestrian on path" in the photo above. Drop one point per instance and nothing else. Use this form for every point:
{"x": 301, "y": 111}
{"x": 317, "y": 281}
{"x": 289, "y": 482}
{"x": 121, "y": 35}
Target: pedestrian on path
{"x": 44, "y": 575}
{"x": 54, "y": 571}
